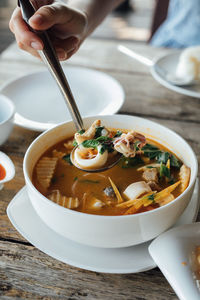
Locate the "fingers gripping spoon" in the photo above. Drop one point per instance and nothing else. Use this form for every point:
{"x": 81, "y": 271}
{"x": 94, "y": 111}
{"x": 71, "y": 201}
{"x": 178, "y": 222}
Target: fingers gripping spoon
{"x": 49, "y": 57}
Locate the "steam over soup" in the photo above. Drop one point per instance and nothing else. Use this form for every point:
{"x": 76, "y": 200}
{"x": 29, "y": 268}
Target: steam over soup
{"x": 148, "y": 175}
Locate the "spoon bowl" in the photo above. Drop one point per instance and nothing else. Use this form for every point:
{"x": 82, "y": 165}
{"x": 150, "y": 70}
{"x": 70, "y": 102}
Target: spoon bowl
{"x": 105, "y": 167}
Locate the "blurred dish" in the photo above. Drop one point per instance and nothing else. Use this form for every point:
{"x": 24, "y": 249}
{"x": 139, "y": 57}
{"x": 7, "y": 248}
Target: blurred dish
{"x": 40, "y": 106}
{"x": 122, "y": 260}
{"x": 7, "y": 169}
{"x": 7, "y": 110}
{"x": 164, "y": 70}
{"x": 167, "y": 64}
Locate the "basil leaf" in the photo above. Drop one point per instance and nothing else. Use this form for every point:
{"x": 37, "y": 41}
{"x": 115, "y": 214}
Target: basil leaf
{"x": 163, "y": 157}
{"x": 98, "y": 131}
{"x": 67, "y": 159}
{"x": 175, "y": 162}
{"x": 103, "y": 139}
{"x": 81, "y": 131}
{"x": 130, "y": 162}
{"x": 151, "y": 197}
{"x": 164, "y": 171}
{"x": 151, "y": 151}
{"x": 118, "y": 133}
{"x": 75, "y": 143}
{"x": 90, "y": 144}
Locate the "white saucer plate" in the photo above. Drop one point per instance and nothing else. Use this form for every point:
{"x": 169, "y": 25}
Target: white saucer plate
{"x": 168, "y": 64}
{"x": 121, "y": 260}
{"x": 40, "y": 105}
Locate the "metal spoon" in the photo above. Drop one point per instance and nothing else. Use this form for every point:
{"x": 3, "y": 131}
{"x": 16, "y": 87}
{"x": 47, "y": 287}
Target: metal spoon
{"x": 49, "y": 57}
{"x": 118, "y": 156}
{"x": 171, "y": 78}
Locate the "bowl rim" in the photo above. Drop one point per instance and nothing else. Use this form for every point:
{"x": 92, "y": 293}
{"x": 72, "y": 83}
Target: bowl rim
{"x": 12, "y": 107}
{"x": 91, "y": 216}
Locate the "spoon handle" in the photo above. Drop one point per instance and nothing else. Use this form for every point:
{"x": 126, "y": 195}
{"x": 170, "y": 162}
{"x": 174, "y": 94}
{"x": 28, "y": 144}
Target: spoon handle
{"x": 49, "y": 57}
{"x": 142, "y": 59}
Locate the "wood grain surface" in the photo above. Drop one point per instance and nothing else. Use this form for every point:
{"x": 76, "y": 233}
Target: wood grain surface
{"x": 26, "y": 272}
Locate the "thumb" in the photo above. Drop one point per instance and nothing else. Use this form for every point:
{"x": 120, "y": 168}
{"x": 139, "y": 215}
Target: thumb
{"x": 49, "y": 15}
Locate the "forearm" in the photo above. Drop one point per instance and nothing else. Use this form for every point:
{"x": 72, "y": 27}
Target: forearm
{"x": 96, "y": 10}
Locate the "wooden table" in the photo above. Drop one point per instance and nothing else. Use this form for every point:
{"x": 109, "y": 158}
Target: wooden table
{"x": 26, "y": 272}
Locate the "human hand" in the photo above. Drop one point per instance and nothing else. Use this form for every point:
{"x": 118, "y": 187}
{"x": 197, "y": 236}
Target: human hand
{"x": 66, "y": 26}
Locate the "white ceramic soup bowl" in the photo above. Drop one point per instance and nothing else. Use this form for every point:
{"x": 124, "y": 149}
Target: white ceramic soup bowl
{"x": 110, "y": 231}
{"x": 7, "y": 111}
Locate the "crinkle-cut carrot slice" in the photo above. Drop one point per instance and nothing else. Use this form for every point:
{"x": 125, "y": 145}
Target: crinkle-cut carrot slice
{"x": 184, "y": 176}
{"x": 45, "y": 169}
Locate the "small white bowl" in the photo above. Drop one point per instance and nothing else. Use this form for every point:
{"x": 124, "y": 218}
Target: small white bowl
{"x": 7, "y": 111}
{"x": 9, "y": 167}
{"x": 173, "y": 253}
{"x": 110, "y": 231}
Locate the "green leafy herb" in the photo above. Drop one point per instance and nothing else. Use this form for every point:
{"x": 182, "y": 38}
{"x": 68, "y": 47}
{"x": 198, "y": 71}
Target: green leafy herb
{"x": 104, "y": 141}
{"x": 90, "y": 143}
{"x": 81, "y": 131}
{"x": 89, "y": 181}
{"x": 151, "y": 197}
{"x": 151, "y": 151}
{"x": 154, "y": 152}
{"x": 75, "y": 143}
{"x": 118, "y": 133}
{"x": 130, "y": 162}
{"x": 98, "y": 131}
{"x": 75, "y": 178}
{"x": 172, "y": 181}
{"x": 67, "y": 159}
{"x": 163, "y": 157}
{"x": 175, "y": 162}
{"x": 164, "y": 171}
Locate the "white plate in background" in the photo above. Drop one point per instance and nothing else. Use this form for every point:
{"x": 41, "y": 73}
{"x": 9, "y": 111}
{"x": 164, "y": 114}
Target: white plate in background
{"x": 167, "y": 64}
{"x": 40, "y": 105}
{"x": 119, "y": 260}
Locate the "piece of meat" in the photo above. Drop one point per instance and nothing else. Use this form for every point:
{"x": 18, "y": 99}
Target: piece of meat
{"x": 150, "y": 175}
{"x": 154, "y": 186}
